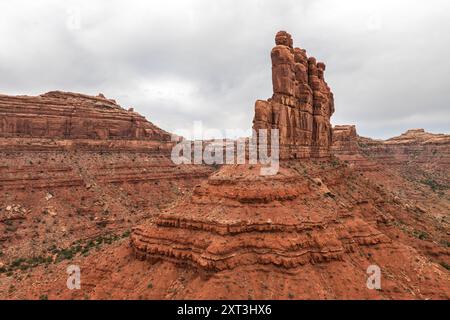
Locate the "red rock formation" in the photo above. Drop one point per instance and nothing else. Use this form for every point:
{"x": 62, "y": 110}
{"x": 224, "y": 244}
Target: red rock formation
{"x": 239, "y": 218}
{"x": 414, "y": 148}
{"x": 65, "y": 115}
{"x": 345, "y": 147}
{"x": 309, "y": 218}
{"x": 104, "y": 168}
{"x": 345, "y": 140}
{"x": 301, "y": 105}
{"x": 413, "y": 145}
{"x": 308, "y": 232}
{"x": 305, "y": 215}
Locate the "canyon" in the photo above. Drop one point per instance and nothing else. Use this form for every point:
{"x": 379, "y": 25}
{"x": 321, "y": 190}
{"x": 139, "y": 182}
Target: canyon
{"x": 88, "y": 183}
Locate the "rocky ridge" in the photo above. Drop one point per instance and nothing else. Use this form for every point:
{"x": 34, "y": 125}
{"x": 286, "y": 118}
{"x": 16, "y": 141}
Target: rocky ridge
{"x": 210, "y": 232}
{"x": 319, "y": 211}
{"x": 65, "y": 115}
{"x": 78, "y": 167}
{"x": 301, "y": 104}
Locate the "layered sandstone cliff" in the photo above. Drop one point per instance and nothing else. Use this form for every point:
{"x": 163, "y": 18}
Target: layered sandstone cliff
{"x": 311, "y": 213}
{"x": 301, "y": 104}
{"x": 413, "y": 145}
{"x": 345, "y": 140}
{"x": 65, "y": 115}
{"x": 309, "y": 219}
{"x": 75, "y": 167}
{"x": 413, "y": 150}
{"x": 77, "y": 172}
{"x": 239, "y": 218}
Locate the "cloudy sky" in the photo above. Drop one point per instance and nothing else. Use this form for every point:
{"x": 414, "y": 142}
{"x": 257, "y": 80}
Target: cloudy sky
{"x": 208, "y": 60}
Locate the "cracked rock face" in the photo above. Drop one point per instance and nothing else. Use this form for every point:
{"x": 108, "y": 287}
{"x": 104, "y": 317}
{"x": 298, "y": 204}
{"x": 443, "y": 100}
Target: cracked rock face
{"x": 65, "y": 115}
{"x": 301, "y": 104}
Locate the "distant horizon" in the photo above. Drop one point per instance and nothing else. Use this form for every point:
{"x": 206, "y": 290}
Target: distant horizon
{"x": 210, "y": 60}
{"x": 165, "y": 129}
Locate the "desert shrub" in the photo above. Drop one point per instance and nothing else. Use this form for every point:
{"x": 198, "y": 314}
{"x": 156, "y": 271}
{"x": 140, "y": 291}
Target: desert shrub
{"x": 445, "y": 265}
{"x": 435, "y": 186}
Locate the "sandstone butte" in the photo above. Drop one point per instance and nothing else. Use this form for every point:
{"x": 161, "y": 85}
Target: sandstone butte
{"x": 79, "y": 172}
{"x": 301, "y": 104}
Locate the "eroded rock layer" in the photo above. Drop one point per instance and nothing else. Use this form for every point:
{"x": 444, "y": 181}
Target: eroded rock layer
{"x": 310, "y": 232}
{"x": 73, "y": 116}
{"x": 313, "y": 211}
{"x": 78, "y": 167}
{"x": 310, "y": 216}
{"x": 416, "y": 154}
{"x": 301, "y": 105}
{"x": 413, "y": 145}
{"x": 345, "y": 147}
{"x": 239, "y": 218}
{"x": 345, "y": 140}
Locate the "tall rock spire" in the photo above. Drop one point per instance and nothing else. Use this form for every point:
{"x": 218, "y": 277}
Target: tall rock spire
{"x": 301, "y": 105}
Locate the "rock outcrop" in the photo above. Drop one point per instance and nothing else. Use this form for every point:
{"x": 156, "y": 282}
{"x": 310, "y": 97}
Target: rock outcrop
{"x": 346, "y": 148}
{"x": 345, "y": 140}
{"x": 301, "y": 104}
{"x": 77, "y": 172}
{"x": 240, "y": 218}
{"x": 309, "y": 213}
{"x": 104, "y": 168}
{"x": 420, "y": 136}
{"x": 413, "y": 145}
{"x": 226, "y": 221}
{"x": 64, "y": 115}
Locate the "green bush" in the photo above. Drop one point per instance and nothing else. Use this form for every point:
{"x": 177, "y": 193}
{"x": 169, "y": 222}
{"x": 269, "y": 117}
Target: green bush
{"x": 446, "y": 266}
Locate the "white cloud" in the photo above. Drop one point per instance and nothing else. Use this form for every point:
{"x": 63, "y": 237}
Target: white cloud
{"x": 181, "y": 61}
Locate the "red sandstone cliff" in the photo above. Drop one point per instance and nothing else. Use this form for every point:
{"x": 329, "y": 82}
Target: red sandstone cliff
{"x": 312, "y": 217}
{"x": 413, "y": 145}
{"x": 67, "y": 115}
{"x": 301, "y": 104}
{"x": 78, "y": 172}
{"x": 416, "y": 153}
{"x": 78, "y": 167}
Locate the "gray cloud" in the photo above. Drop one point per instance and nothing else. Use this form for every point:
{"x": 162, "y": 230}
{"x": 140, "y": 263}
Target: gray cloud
{"x": 181, "y": 61}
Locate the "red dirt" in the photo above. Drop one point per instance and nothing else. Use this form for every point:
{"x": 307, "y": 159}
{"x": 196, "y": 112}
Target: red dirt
{"x": 86, "y": 183}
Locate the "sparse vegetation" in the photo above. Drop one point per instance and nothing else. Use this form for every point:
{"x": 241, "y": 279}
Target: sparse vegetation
{"x": 335, "y": 162}
{"x": 435, "y": 186}
{"x": 445, "y": 265}
{"x": 422, "y": 235}
{"x": 57, "y": 255}
{"x": 126, "y": 234}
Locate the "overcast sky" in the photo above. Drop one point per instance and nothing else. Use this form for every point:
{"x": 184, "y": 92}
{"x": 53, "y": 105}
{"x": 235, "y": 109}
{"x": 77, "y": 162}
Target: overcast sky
{"x": 388, "y": 62}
